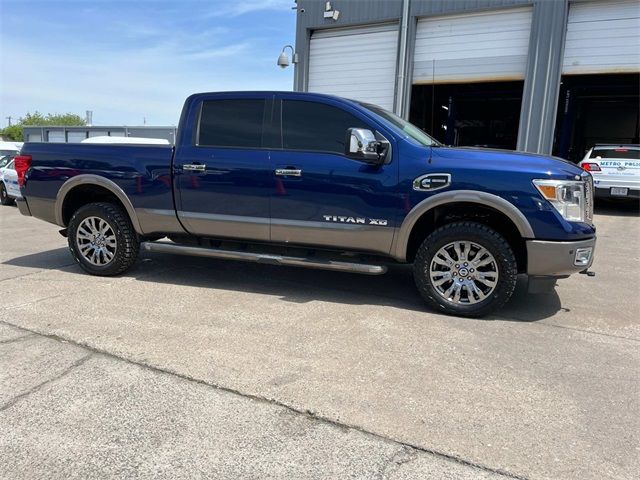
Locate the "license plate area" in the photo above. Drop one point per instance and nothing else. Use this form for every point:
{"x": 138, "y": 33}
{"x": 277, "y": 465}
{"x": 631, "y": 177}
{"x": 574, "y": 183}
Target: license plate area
{"x": 619, "y": 191}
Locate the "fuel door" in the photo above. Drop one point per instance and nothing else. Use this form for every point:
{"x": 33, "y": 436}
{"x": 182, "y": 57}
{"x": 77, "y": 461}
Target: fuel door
{"x": 432, "y": 181}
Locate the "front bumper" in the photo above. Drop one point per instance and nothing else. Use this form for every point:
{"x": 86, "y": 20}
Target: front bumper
{"x": 559, "y": 259}
{"x": 23, "y": 206}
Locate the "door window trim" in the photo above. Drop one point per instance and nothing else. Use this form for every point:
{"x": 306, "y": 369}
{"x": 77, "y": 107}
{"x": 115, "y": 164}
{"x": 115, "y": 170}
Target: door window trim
{"x": 281, "y": 148}
{"x": 307, "y": 150}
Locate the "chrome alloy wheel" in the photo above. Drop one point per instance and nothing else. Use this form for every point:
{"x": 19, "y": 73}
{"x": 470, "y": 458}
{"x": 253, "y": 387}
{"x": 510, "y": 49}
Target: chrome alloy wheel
{"x": 96, "y": 241}
{"x": 464, "y": 272}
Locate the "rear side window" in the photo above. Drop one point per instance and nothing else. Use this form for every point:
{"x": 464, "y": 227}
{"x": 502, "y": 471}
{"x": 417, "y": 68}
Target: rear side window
{"x": 232, "y": 123}
{"x": 315, "y": 126}
{"x": 619, "y": 153}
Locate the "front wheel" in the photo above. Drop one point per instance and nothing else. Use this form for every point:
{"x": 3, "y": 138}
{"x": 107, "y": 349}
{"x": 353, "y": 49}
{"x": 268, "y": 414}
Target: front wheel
{"x": 102, "y": 239}
{"x": 465, "y": 269}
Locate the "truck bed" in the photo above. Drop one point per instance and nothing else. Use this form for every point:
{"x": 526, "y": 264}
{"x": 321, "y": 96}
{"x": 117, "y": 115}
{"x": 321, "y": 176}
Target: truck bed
{"x": 142, "y": 172}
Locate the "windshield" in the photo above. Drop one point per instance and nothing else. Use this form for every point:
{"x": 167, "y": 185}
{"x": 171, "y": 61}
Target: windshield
{"x": 402, "y": 126}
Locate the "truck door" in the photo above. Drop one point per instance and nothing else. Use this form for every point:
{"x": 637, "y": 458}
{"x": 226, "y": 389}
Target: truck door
{"x": 321, "y": 197}
{"x": 223, "y": 177}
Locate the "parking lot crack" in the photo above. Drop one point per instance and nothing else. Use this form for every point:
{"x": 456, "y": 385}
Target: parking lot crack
{"x": 49, "y": 381}
{"x": 401, "y": 457}
{"x": 404, "y": 445}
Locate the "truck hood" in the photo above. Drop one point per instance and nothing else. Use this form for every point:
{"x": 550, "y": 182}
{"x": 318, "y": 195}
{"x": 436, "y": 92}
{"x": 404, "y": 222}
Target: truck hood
{"x": 507, "y": 160}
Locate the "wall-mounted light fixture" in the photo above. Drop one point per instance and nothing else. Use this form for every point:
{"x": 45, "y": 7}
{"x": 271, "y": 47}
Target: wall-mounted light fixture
{"x": 283, "y": 59}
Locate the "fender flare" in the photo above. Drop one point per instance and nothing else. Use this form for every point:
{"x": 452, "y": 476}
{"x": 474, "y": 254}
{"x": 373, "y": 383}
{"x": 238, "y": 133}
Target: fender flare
{"x": 89, "y": 179}
{"x": 401, "y": 239}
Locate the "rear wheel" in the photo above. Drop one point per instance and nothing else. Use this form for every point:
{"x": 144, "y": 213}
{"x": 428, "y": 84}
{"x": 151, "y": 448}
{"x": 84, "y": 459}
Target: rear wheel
{"x": 102, "y": 239}
{"x": 5, "y": 199}
{"x": 465, "y": 269}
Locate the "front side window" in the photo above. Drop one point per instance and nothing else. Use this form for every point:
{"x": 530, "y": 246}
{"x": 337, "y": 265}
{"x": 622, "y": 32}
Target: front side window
{"x": 231, "y": 123}
{"x": 316, "y": 126}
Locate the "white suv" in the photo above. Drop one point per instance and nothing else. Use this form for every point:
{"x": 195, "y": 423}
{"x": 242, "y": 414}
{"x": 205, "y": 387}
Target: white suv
{"x": 615, "y": 170}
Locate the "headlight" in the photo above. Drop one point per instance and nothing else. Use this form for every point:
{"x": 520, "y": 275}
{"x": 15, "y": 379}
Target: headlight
{"x": 566, "y": 196}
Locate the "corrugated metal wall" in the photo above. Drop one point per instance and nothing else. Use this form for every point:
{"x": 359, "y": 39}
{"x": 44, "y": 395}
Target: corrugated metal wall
{"x": 544, "y": 57}
{"x": 603, "y": 37}
{"x": 340, "y": 63}
{"x": 482, "y": 46}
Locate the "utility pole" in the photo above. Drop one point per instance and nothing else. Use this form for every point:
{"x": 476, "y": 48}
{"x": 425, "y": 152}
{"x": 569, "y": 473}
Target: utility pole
{"x": 9, "y": 119}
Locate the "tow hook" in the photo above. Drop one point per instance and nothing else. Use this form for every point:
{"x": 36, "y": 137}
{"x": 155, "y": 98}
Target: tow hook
{"x": 588, "y": 273}
{"x": 63, "y": 232}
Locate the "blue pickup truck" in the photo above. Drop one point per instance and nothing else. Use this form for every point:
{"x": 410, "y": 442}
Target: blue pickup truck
{"x": 319, "y": 181}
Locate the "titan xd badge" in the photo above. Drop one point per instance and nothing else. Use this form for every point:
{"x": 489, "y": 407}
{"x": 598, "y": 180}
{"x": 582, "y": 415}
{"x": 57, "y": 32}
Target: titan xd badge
{"x": 355, "y": 220}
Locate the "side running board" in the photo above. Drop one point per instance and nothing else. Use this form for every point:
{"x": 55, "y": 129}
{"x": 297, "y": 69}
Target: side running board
{"x": 164, "y": 247}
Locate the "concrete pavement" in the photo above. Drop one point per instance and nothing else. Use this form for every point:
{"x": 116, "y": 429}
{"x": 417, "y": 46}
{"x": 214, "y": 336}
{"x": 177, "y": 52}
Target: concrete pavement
{"x": 77, "y": 413}
{"x": 547, "y": 388}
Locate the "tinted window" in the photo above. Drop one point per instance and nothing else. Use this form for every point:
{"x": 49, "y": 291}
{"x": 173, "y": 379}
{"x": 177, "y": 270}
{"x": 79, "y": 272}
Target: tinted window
{"x": 316, "y": 126}
{"x": 232, "y": 123}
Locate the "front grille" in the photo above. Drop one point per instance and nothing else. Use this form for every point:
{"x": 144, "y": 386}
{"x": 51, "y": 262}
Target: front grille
{"x": 588, "y": 197}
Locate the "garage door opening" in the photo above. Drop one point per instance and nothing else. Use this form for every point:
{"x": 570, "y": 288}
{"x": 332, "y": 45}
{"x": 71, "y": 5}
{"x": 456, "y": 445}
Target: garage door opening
{"x": 596, "y": 109}
{"x": 474, "y": 114}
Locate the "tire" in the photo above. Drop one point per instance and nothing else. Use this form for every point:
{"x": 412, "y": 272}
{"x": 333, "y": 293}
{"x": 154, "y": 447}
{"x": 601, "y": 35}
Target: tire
{"x": 470, "y": 285}
{"x": 5, "y": 199}
{"x": 115, "y": 249}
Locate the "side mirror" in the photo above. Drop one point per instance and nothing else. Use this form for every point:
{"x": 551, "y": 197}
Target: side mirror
{"x": 361, "y": 144}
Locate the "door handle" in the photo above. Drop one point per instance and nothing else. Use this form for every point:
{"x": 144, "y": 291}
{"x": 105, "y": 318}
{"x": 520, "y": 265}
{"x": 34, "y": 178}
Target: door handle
{"x": 194, "y": 167}
{"x": 288, "y": 172}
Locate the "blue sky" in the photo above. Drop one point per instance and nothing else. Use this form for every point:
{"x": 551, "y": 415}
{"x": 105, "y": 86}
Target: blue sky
{"x": 126, "y": 60}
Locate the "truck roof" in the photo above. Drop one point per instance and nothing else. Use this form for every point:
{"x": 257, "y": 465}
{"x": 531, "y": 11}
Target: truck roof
{"x": 274, "y": 92}
{"x": 240, "y": 93}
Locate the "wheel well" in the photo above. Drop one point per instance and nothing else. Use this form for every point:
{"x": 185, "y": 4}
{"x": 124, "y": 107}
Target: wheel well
{"x": 453, "y": 212}
{"x": 84, "y": 194}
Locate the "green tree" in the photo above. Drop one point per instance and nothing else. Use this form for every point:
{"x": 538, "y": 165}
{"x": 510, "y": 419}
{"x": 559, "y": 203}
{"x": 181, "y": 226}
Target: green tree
{"x": 15, "y": 132}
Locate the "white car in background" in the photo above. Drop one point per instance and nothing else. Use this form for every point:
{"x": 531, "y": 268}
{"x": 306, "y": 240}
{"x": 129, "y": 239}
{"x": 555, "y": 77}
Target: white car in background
{"x": 8, "y": 177}
{"x": 9, "y": 188}
{"x": 615, "y": 170}
{"x": 9, "y": 149}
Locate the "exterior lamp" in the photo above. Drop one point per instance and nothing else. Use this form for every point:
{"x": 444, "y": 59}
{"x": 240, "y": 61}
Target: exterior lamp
{"x": 283, "y": 59}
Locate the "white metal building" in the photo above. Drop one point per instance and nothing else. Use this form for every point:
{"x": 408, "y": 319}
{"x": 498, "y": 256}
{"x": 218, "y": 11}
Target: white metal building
{"x": 64, "y": 134}
{"x": 550, "y": 71}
